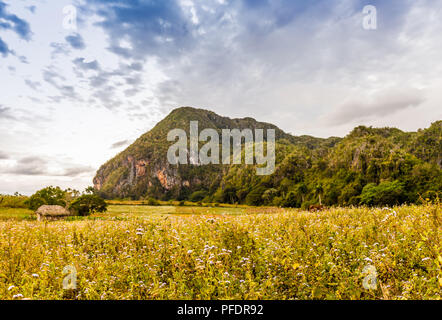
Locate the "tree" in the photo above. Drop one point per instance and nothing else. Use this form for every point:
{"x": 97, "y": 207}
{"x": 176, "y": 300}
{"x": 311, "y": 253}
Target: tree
{"x": 70, "y": 195}
{"x": 302, "y": 190}
{"x": 318, "y": 191}
{"x": 331, "y": 193}
{"x": 47, "y": 196}
{"x": 269, "y": 194}
{"x": 198, "y": 196}
{"x": 89, "y": 190}
{"x": 386, "y": 193}
{"x": 291, "y": 200}
{"x": 242, "y": 194}
{"x": 285, "y": 185}
{"x": 152, "y": 202}
{"x": 87, "y": 204}
{"x": 254, "y": 198}
{"x": 229, "y": 195}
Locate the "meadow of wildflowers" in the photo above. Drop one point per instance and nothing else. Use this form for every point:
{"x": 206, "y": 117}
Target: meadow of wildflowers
{"x": 275, "y": 255}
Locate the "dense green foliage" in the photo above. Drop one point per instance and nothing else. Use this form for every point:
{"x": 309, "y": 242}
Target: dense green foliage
{"x": 371, "y": 166}
{"x": 13, "y": 201}
{"x": 198, "y": 196}
{"x": 386, "y": 192}
{"x": 152, "y": 202}
{"x": 87, "y": 204}
{"x": 47, "y": 196}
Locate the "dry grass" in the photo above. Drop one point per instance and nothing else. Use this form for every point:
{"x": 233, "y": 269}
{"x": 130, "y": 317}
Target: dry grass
{"x": 207, "y": 255}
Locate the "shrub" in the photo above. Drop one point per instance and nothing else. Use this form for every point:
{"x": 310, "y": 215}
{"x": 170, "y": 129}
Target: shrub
{"x": 277, "y": 201}
{"x": 305, "y": 205}
{"x": 152, "y": 202}
{"x": 254, "y": 198}
{"x": 87, "y": 204}
{"x": 269, "y": 194}
{"x": 15, "y": 201}
{"x": 291, "y": 200}
{"x": 198, "y": 196}
{"x": 386, "y": 193}
{"x": 228, "y": 195}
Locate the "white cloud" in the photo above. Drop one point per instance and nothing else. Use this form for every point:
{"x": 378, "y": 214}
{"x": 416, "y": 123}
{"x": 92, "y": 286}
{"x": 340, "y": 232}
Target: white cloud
{"x": 378, "y": 106}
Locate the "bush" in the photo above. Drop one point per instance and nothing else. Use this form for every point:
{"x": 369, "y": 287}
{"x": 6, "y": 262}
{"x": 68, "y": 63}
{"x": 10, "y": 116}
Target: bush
{"x": 181, "y": 203}
{"x": 152, "y": 202}
{"x": 386, "y": 193}
{"x": 47, "y": 196}
{"x": 254, "y": 198}
{"x": 277, "y": 201}
{"x": 227, "y": 195}
{"x": 15, "y": 201}
{"x": 306, "y": 205}
{"x": 291, "y": 200}
{"x": 87, "y": 204}
{"x": 268, "y": 195}
{"x": 198, "y": 196}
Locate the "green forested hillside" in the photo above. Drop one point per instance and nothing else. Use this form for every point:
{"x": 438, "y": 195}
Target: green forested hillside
{"x": 369, "y": 166}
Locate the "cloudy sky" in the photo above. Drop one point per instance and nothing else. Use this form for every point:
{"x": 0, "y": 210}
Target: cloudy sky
{"x": 80, "y": 80}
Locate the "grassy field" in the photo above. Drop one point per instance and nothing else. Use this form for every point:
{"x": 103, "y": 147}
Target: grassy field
{"x": 16, "y": 214}
{"x": 183, "y": 252}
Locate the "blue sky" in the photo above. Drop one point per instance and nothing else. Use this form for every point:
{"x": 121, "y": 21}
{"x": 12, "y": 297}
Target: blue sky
{"x": 71, "y": 98}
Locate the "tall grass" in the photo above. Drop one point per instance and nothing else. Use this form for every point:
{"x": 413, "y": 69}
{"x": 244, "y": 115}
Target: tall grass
{"x": 281, "y": 255}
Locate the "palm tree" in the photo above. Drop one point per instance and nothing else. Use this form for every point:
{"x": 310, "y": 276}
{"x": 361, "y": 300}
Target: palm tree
{"x": 318, "y": 191}
{"x": 302, "y": 189}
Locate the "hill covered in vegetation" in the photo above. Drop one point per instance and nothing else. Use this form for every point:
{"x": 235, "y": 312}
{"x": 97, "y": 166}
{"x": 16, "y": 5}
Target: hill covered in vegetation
{"x": 371, "y": 166}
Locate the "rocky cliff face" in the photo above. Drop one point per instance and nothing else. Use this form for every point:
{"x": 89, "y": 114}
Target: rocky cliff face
{"x": 129, "y": 175}
{"x": 142, "y": 169}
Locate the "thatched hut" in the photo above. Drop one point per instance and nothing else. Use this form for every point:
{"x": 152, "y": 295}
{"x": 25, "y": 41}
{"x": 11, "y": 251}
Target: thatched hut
{"x": 51, "y": 213}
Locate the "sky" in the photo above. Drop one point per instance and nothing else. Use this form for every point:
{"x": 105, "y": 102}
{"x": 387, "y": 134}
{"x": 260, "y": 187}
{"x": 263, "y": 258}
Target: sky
{"x": 81, "y": 80}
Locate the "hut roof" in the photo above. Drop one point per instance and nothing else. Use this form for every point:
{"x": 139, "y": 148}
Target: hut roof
{"x": 46, "y": 210}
